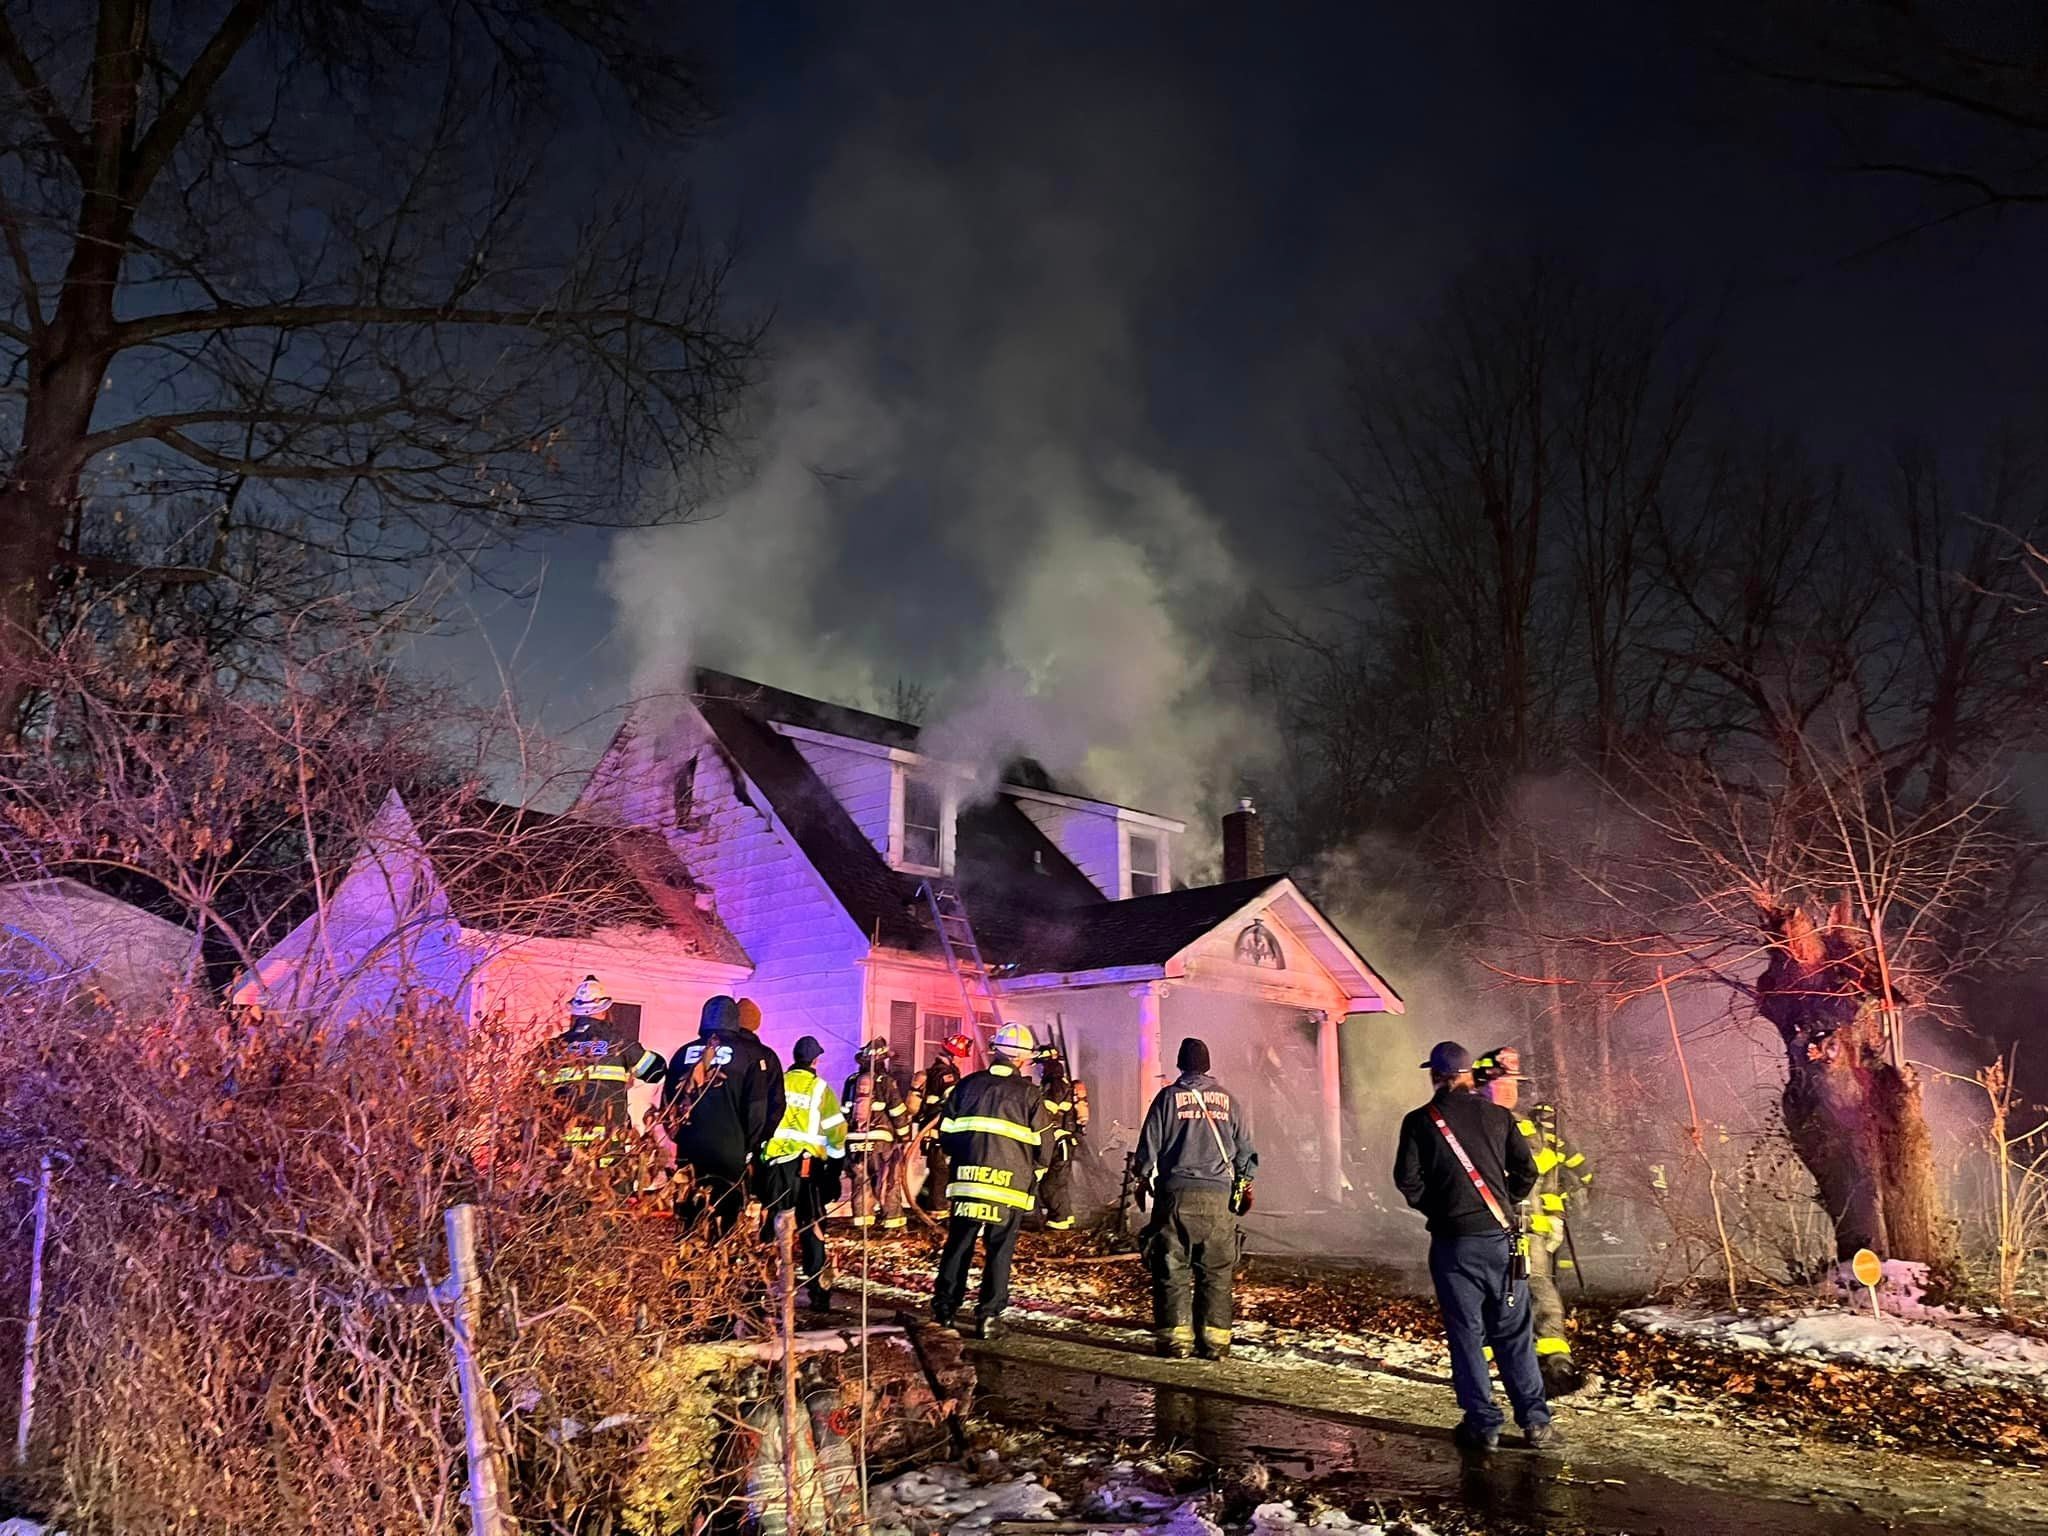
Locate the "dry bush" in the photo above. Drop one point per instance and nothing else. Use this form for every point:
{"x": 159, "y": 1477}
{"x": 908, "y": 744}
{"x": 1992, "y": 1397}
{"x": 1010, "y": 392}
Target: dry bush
{"x": 245, "y": 1223}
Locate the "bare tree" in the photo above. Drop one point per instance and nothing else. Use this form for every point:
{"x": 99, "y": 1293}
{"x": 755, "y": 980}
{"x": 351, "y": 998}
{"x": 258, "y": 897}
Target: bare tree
{"x": 368, "y": 262}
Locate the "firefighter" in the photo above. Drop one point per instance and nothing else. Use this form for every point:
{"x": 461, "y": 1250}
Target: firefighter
{"x": 1195, "y": 1163}
{"x": 879, "y": 1116}
{"x": 1066, "y": 1099}
{"x": 591, "y": 1065}
{"x": 997, "y": 1136}
{"x": 800, "y": 1164}
{"x": 720, "y": 1102}
{"x": 940, "y": 1079}
{"x": 1561, "y": 1172}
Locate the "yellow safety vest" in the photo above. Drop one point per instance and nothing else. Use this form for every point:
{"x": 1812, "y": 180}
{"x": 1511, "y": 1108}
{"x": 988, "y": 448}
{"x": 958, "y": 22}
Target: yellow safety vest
{"x": 811, "y": 1121}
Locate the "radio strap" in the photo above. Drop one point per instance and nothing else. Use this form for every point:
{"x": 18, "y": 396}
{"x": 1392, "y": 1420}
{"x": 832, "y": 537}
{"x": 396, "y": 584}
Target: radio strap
{"x": 1478, "y": 1180}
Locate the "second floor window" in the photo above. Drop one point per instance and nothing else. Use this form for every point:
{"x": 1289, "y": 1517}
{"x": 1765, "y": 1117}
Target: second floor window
{"x": 924, "y": 809}
{"x": 1146, "y": 875}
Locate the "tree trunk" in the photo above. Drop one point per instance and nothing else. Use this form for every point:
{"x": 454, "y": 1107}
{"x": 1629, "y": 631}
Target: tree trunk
{"x": 1856, "y": 1121}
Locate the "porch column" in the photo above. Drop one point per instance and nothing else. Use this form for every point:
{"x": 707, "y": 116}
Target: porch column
{"x": 1330, "y": 1071}
{"x": 1149, "y": 1035}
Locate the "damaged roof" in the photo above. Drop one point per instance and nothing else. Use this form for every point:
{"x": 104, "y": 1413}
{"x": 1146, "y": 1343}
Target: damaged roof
{"x": 508, "y": 869}
{"x": 1033, "y": 910}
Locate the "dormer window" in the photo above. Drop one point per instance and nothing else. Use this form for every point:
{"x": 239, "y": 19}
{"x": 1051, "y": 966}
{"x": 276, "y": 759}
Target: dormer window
{"x": 924, "y": 823}
{"x": 1148, "y": 864}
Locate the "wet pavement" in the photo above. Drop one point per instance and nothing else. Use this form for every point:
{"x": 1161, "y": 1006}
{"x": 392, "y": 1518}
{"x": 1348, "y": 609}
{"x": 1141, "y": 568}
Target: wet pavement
{"x": 1355, "y": 1456}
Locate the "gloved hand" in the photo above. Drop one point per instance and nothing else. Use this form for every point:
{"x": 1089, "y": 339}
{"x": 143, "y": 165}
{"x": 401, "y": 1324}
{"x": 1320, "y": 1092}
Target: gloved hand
{"x": 1144, "y": 1193}
{"x": 1241, "y": 1196}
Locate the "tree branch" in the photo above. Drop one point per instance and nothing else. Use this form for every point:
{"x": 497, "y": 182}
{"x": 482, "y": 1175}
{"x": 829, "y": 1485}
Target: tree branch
{"x": 39, "y": 96}
{"x": 161, "y": 141}
{"x": 235, "y": 317}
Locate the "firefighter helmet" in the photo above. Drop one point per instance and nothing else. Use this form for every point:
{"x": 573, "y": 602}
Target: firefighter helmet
{"x": 1015, "y": 1040}
{"x": 876, "y": 1049}
{"x": 589, "y": 1001}
{"x": 958, "y": 1045}
{"x": 1502, "y": 1061}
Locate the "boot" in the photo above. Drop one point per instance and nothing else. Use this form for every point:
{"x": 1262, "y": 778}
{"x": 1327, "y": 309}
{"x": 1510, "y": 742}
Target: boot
{"x": 987, "y": 1327}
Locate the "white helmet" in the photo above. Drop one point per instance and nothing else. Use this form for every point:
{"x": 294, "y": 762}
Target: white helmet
{"x": 590, "y": 1000}
{"x": 1015, "y": 1040}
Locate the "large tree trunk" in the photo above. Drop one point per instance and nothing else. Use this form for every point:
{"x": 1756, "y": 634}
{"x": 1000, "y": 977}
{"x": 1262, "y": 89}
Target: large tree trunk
{"x": 1855, "y": 1119}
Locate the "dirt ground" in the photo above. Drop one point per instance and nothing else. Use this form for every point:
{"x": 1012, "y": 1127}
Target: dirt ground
{"x": 1344, "y": 1339}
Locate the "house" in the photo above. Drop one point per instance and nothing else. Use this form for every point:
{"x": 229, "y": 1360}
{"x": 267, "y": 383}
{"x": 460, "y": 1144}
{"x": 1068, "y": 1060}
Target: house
{"x": 61, "y": 935}
{"x": 496, "y": 909}
{"x": 815, "y": 829}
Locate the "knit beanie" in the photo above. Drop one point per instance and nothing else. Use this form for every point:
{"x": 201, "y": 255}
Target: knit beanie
{"x": 807, "y": 1049}
{"x": 750, "y": 1016}
{"x": 719, "y": 1013}
{"x": 1194, "y": 1055}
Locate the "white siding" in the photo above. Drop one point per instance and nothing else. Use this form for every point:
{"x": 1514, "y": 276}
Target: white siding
{"x": 806, "y": 951}
{"x": 861, "y": 782}
{"x": 1092, "y": 839}
{"x": 65, "y": 936}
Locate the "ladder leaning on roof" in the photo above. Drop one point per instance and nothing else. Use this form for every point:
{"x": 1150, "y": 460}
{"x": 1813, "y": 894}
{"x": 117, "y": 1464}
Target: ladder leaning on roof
{"x": 963, "y": 953}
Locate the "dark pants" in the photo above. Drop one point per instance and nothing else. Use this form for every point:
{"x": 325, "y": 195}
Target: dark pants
{"x": 936, "y": 1173}
{"x": 1191, "y": 1249}
{"x": 1056, "y": 1191}
{"x": 1546, "y": 1301}
{"x": 716, "y": 1199}
{"x": 998, "y": 1246}
{"x": 1482, "y": 1306}
{"x": 782, "y": 1187}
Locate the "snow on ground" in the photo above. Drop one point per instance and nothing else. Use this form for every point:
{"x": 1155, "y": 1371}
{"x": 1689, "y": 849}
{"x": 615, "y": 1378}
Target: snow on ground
{"x": 20, "y": 1527}
{"x": 947, "y": 1498}
{"x": 1959, "y": 1350}
{"x": 1279, "y": 1519}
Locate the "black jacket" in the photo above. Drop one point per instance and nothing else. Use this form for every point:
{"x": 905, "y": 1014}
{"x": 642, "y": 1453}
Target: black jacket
{"x": 997, "y": 1134}
{"x": 1194, "y": 1137}
{"x": 722, "y": 1100}
{"x": 591, "y": 1065}
{"x": 1431, "y": 1179}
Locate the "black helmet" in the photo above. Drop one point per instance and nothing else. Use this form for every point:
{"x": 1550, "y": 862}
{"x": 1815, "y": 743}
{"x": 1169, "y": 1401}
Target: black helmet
{"x": 876, "y": 1049}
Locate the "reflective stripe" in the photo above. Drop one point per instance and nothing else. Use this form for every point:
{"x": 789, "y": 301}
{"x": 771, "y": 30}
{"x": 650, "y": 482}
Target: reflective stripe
{"x": 1526, "y": 1127}
{"x": 1575, "y": 1159}
{"x": 1553, "y": 1346}
{"x": 1546, "y": 1160}
{"x": 896, "y": 1221}
{"x": 1540, "y": 1224}
{"x": 967, "y": 1190}
{"x": 990, "y": 1126}
{"x": 1061, "y": 1225}
{"x": 802, "y": 1130}
{"x": 1059, "y": 1106}
{"x": 1553, "y": 1202}
{"x": 974, "y": 1210}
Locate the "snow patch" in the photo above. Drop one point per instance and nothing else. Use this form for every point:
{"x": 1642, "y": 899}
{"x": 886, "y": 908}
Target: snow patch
{"x": 1279, "y": 1519}
{"x": 1961, "y": 1351}
{"x": 946, "y": 1498}
{"x": 20, "y": 1527}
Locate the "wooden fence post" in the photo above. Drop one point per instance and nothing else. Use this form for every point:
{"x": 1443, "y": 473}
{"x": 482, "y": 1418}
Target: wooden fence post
{"x": 462, "y": 1293}
{"x": 32, "y": 1335}
{"x": 785, "y": 1263}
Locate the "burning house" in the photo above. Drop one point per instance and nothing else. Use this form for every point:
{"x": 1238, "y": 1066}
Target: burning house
{"x": 759, "y": 842}
{"x": 821, "y": 832}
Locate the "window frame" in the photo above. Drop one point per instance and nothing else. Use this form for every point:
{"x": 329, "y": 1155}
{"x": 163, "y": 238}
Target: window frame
{"x": 947, "y": 791}
{"x": 1161, "y": 872}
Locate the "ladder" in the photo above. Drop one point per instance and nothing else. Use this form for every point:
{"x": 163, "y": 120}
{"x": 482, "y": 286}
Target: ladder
{"x": 963, "y": 953}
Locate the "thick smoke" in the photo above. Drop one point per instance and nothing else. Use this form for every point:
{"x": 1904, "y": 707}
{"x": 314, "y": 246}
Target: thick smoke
{"x": 965, "y": 495}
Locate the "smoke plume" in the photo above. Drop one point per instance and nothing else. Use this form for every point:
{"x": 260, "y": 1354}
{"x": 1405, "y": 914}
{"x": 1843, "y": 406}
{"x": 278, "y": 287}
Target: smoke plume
{"x": 965, "y": 494}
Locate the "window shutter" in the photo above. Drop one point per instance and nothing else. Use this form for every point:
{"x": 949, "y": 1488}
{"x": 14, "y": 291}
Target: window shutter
{"x": 903, "y": 1042}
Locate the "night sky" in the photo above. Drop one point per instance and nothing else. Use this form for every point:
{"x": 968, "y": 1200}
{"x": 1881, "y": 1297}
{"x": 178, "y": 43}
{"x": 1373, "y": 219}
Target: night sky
{"x": 1059, "y": 290}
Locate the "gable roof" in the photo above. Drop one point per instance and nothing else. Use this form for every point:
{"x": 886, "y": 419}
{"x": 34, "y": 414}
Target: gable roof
{"x": 508, "y": 869}
{"x": 1033, "y": 911}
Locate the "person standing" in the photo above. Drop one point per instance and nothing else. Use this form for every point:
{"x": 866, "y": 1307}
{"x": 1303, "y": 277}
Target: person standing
{"x": 800, "y": 1164}
{"x": 1464, "y": 1164}
{"x": 1066, "y": 1099}
{"x": 1562, "y": 1172}
{"x": 720, "y": 1102}
{"x": 591, "y": 1065}
{"x": 1195, "y": 1162}
{"x": 880, "y": 1119}
{"x": 937, "y": 1085}
{"x": 996, "y": 1136}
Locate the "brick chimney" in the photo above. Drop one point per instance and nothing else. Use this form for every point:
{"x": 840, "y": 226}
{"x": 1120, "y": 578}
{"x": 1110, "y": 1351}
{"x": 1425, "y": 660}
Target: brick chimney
{"x": 1244, "y": 843}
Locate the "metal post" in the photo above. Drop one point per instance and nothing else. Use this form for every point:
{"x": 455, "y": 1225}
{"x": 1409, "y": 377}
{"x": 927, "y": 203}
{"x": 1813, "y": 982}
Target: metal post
{"x": 32, "y": 1335}
{"x": 462, "y": 1291}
